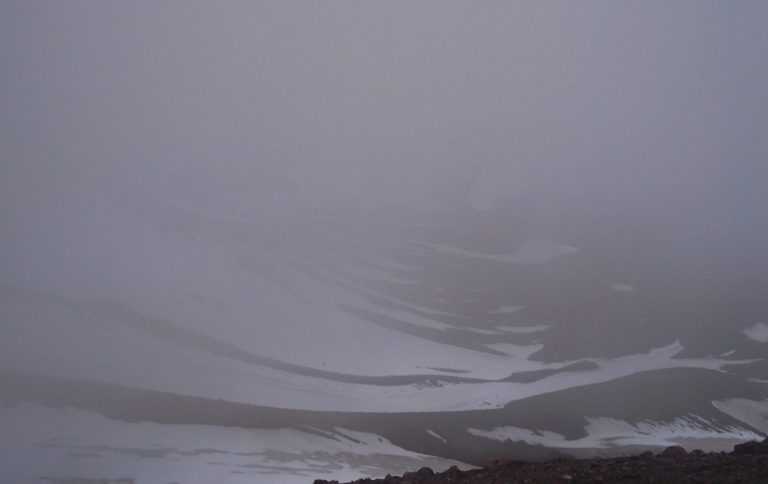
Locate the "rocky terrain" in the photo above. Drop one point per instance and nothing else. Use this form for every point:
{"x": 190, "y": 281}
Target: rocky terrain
{"x": 747, "y": 463}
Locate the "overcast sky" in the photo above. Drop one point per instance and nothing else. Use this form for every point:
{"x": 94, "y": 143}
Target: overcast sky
{"x": 650, "y": 110}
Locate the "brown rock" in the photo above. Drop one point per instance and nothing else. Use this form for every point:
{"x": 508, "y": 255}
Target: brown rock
{"x": 751, "y": 448}
{"x": 425, "y": 471}
{"x": 674, "y": 451}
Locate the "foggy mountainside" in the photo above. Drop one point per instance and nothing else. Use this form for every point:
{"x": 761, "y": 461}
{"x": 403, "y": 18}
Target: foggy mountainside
{"x": 268, "y": 242}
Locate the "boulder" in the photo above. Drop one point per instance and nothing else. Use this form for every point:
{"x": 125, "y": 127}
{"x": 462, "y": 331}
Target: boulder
{"x": 425, "y": 472}
{"x": 751, "y": 448}
{"x": 674, "y": 451}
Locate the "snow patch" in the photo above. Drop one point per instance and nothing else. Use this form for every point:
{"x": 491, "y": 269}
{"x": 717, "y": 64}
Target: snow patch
{"x": 758, "y": 332}
{"x": 517, "y": 434}
{"x": 506, "y": 309}
{"x": 604, "y": 432}
{"x": 80, "y": 445}
{"x": 524, "y": 329}
{"x": 517, "y": 352}
{"x": 752, "y": 412}
{"x": 436, "y": 435}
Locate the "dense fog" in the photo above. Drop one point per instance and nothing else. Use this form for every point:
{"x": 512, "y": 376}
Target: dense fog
{"x": 647, "y": 117}
{"x": 295, "y": 185}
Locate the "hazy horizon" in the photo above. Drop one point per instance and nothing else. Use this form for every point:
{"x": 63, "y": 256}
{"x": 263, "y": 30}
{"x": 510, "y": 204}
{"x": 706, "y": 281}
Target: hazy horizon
{"x": 383, "y": 206}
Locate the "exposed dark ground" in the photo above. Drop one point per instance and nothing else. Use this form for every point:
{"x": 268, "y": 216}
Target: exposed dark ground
{"x": 633, "y": 398}
{"x": 747, "y": 463}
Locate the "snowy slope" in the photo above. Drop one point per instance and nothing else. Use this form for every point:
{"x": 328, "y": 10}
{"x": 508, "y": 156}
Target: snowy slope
{"x": 74, "y": 444}
{"x": 349, "y": 310}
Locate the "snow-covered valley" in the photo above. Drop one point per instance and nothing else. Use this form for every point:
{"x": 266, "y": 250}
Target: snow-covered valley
{"x": 371, "y": 325}
{"x": 272, "y": 242}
